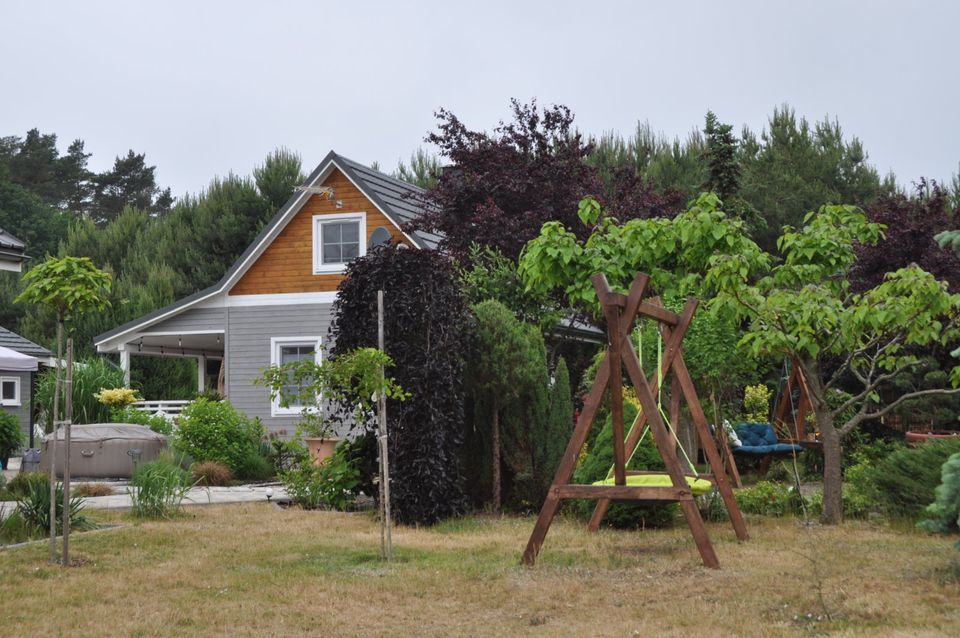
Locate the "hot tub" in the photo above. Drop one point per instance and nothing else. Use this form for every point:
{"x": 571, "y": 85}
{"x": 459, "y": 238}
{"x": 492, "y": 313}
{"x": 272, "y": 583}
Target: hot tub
{"x": 104, "y": 450}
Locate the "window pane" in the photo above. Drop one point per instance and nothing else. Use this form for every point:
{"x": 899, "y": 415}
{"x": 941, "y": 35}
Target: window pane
{"x": 331, "y": 233}
{"x": 9, "y": 391}
{"x": 290, "y": 354}
{"x": 350, "y": 251}
{"x": 350, "y": 232}
{"x": 332, "y": 254}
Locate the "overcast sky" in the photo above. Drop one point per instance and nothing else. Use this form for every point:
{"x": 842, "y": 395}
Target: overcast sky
{"x": 205, "y": 88}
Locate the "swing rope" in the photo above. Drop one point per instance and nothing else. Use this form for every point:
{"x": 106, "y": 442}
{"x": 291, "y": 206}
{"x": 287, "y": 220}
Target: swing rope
{"x": 666, "y": 419}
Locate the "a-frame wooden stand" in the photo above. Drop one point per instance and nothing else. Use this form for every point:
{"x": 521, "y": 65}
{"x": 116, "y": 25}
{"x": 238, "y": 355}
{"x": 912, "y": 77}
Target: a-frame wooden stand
{"x": 620, "y": 312}
{"x": 796, "y": 413}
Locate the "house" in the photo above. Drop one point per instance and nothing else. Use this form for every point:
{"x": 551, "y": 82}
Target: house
{"x": 12, "y": 253}
{"x": 274, "y": 304}
{"x": 19, "y": 361}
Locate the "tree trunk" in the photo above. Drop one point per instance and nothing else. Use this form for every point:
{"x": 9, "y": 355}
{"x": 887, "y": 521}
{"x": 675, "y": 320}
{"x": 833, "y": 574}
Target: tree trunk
{"x": 68, "y": 419}
{"x": 53, "y": 446}
{"x": 495, "y": 444}
{"x": 832, "y": 512}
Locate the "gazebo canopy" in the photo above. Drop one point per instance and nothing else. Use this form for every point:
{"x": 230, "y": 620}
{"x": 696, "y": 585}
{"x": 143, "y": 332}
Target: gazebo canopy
{"x": 13, "y": 361}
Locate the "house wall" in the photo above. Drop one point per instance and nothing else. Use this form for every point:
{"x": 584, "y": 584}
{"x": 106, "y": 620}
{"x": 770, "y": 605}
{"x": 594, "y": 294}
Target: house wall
{"x": 287, "y": 264}
{"x": 192, "y": 319}
{"x": 248, "y": 352}
{"x": 22, "y": 411}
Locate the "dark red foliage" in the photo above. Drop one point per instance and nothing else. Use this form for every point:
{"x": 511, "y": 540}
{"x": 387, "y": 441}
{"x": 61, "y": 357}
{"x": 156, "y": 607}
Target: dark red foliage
{"x": 426, "y": 330}
{"x": 502, "y": 187}
{"x": 911, "y": 224}
{"x": 630, "y": 196}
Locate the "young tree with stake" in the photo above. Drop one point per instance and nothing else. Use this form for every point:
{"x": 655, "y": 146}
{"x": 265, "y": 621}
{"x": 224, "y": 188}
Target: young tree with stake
{"x": 70, "y": 286}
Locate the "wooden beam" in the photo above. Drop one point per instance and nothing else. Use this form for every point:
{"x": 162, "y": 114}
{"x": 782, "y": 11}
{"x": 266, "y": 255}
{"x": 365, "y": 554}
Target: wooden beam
{"x": 623, "y": 492}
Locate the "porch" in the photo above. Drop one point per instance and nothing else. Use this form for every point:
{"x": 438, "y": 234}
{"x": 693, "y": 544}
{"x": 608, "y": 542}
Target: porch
{"x": 206, "y": 347}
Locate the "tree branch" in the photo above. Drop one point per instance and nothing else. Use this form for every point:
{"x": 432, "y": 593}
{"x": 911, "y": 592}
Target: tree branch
{"x": 859, "y": 418}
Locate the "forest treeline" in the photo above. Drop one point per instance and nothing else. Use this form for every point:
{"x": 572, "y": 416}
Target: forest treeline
{"x": 529, "y": 169}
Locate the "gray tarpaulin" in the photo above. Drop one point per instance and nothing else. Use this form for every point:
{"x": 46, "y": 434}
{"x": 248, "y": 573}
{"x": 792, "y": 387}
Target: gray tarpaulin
{"x": 13, "y": 361}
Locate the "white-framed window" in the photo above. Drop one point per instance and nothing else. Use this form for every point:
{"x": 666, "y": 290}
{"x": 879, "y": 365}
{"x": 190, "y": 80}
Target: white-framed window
{"x": 338, "y": 239}
{"x": 10, "y": 391}
{"x": 288, "y": 350}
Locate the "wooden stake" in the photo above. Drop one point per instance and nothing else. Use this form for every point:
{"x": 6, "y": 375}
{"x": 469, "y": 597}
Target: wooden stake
{"x": 68, "y": 426}
{"x": 53, "y": 445}
{"x": 386, "y": 524}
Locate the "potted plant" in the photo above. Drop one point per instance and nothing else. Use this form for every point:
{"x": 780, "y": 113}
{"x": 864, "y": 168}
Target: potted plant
{"x": 347, "y": 385}
{"x": 11, "y": 438}
{"x": 318, "y": 432}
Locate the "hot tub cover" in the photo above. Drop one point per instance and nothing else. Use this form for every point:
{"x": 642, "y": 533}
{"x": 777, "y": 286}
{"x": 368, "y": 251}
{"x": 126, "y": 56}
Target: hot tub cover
{"x": 108, "y": 431}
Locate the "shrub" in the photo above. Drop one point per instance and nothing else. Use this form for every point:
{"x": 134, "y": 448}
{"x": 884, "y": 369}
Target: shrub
{"x": 255, "y": 467}
{"x": 89, "y": 377}
{"x": 33, "y": 504}
{"x": 20, "y": 484}
{"x": 11, "y": 438}
{"x": 117, "y": 397}
{"x": 855, "y": 503}
{"x": 211, "y": 474}
{"x": 361, "y": 453}
{"x": 156, "y": 422}
{"x": 595, "y": 466}
{"x": 90, "y": 490}
{"x": 157, "y": 488}
{"x": 285, "y": 454}
{"x": 756, "y": 403}
{"x": 331, "y": 484}
{"x": 768, "y": 499}
{"x": 945, "y": 510}
{"x": 904, "y": 482}
{"x": 426, "y": 329}
{"x": 13, "y": 529}
{"x": 215, "y": 431}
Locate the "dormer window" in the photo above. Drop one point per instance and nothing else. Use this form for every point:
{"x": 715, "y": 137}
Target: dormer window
{"x": 338, "y": 239}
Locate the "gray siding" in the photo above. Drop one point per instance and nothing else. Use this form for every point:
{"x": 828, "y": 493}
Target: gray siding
{"x": 248, "y": 352}
{"x": 23, "y": 410}
{"x": 192, "y": 319}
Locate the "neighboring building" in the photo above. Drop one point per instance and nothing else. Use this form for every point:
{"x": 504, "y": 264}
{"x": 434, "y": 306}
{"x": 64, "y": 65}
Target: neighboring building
{"x": 19, "y": 361}
{"x": 12, "y": 253}
{"x": 274, "y": 304}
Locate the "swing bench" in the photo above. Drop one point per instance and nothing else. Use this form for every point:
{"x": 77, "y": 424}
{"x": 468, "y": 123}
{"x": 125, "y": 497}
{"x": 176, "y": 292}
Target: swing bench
{"x": 671, "y": 485}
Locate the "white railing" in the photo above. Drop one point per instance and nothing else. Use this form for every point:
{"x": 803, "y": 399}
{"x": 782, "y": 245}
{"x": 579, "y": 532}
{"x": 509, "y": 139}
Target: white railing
{"x": 167, "y": 408}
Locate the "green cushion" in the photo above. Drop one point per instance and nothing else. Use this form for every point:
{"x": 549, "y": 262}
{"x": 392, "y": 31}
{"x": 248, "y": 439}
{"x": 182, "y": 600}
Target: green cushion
{"x": 699, "y": 487}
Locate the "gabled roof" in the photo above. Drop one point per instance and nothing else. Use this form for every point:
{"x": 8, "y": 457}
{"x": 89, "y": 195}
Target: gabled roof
{"x": 397, "y": 200}
{"x": 12, "y": 340}
{"x": 11, "y": 248}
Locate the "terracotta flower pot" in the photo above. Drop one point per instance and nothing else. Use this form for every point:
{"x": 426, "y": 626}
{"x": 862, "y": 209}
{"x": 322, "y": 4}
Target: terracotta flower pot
{"x": 916, "y": 438}
{"x": 321, "y": 448}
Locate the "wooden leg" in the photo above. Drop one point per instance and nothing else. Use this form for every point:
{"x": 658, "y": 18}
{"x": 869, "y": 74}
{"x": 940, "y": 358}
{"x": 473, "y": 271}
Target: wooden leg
{"x": 547, "y": 512}
{"x": 764, "y": 465}
{"x": 699, "y": 531}
{"x": 682, "y": 376}
{"x": 599, "y": 512}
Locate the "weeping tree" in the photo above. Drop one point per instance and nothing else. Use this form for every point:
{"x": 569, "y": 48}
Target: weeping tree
{"x": 70, "y": 287}
{"x": 426, "y": 326}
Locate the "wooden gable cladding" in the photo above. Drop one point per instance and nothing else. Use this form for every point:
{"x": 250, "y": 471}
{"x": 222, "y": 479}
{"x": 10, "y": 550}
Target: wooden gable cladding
{"x": 286, "y": 265}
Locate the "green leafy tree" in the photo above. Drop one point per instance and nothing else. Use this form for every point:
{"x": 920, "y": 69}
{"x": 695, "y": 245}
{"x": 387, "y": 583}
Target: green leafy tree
{"x": 804, "y": 308}
{"x": 277, "y": 177}
{"x": 129, "y": 183}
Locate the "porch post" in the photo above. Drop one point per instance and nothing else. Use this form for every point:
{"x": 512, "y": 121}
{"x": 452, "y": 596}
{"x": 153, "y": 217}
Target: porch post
{"x": 125, "y": 365}
{"x": 201, "y": 373}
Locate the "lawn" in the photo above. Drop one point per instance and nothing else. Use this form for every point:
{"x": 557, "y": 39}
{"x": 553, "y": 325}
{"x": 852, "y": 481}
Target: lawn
{"x": 257, "y": 570}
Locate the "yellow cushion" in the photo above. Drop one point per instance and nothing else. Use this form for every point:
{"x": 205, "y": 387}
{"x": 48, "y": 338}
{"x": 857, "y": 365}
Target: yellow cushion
{"x": 699, "y": 487}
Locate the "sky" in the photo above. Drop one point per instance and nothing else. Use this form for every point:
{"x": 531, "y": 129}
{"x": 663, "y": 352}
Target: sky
{"x": 204, "y": 88}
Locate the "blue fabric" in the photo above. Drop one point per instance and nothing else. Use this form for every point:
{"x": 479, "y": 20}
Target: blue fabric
{"x": 753, "y": 449}
{"x": 786, "y": 447}
{"x": 756, "y": 434}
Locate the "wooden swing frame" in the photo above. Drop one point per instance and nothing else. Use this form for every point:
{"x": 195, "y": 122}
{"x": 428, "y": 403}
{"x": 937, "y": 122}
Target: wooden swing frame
{"x": 785, "y": 410}
{"x": 621, "y": 312}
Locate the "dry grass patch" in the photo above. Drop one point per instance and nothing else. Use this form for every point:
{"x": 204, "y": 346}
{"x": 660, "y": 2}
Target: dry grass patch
{"x": 88, "y": 490}
{"x": 256, "y": 570}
